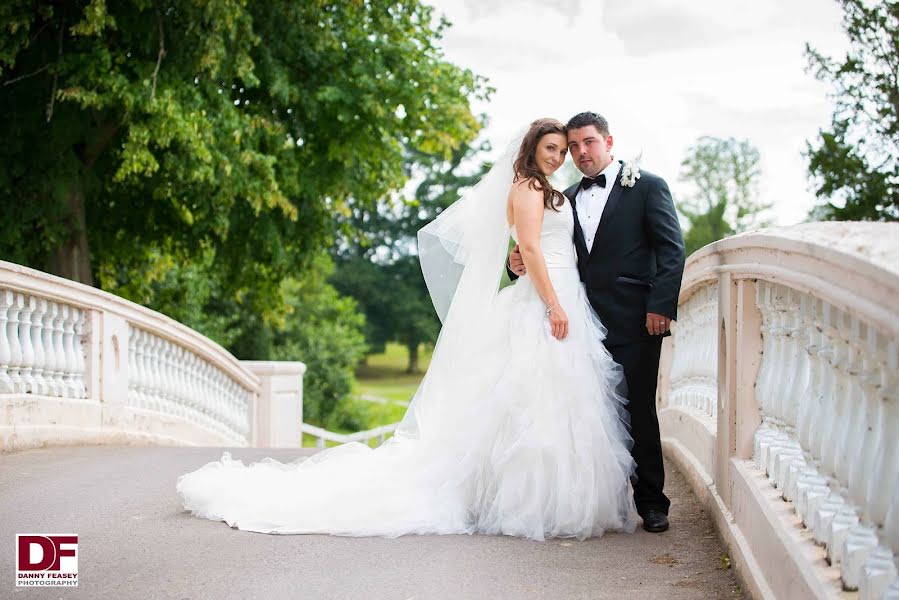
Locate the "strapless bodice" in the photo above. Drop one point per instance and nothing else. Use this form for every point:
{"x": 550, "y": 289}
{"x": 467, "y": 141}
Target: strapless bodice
{"x": 556, "y": 236}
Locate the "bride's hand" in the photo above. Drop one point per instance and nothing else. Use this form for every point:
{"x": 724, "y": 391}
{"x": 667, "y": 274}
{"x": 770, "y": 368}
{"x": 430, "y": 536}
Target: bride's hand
{"x": 558, "y": 322}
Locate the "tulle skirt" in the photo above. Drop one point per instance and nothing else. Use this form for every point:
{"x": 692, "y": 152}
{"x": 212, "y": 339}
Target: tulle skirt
{"x": 541, "y": 449}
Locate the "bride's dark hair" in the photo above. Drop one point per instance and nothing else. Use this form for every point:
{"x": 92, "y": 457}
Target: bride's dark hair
{"x": 525, "y": 166}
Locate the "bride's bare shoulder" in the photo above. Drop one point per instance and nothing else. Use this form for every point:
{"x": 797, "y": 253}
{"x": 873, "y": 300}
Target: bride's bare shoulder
{"x": 523, "y": 187}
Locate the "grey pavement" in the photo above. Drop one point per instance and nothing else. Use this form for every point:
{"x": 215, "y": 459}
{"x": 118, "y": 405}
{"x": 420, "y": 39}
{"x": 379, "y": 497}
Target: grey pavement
{"x": 135, "y": 541}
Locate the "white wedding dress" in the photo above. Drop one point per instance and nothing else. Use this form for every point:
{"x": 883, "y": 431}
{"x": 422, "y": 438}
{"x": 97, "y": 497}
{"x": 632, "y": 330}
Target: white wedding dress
{"x": 515, "y": 433}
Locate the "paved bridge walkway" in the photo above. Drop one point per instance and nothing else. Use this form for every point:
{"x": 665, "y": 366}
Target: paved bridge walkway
{"x": 136, "y": 542}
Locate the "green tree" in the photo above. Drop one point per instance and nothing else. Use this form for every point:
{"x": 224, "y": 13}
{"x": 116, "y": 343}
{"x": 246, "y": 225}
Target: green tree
{"x": 377, "y": 259}
{"x": 325, "y": 331}
{"x": 854, "y": 164}
{"x": 723, "y": 174}
{"x": 139, "y": 134}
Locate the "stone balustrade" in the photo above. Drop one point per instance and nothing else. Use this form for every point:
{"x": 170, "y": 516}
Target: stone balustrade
{"x": 81, "y": 366}
{"x": 694, "y": 369}
{"x": 40, "y": 347}
{"x": 779, "y": 395}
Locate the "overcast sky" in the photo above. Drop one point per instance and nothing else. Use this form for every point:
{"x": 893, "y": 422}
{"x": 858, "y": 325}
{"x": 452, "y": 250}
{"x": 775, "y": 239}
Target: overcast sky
{"x": 662, "y": 72}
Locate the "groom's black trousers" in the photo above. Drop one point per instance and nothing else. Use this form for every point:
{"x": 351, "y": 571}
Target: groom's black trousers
{"x": 640, "y": 362}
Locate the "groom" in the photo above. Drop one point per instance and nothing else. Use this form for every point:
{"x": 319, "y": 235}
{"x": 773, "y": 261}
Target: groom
{"x": 630, "y": 256}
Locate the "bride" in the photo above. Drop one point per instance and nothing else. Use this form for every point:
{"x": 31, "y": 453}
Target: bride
{"x": 517, "y": 427}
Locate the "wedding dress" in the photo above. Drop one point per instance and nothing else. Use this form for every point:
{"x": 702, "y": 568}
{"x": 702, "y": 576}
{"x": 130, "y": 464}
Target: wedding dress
{"x": 511, "y": 431}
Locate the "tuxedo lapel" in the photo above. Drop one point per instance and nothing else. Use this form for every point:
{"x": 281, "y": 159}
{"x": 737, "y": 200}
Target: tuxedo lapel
{"x": 607, "y": 213}
{"x": 580, "y": 244}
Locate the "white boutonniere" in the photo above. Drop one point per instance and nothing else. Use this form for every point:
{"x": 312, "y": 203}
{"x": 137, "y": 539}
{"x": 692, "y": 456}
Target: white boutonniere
{"x": 630, "y": 172}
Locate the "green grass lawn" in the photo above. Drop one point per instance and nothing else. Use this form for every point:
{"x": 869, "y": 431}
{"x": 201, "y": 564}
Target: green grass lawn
{"x": 384, "y": 376}
{"x": 392, "y": 363}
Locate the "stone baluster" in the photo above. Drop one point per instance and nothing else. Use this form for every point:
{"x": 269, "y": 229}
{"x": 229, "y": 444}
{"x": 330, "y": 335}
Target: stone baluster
{"x": 6, "y": 383}
{"x": 766, "y": 430}
{"x": 189, "y": 375}
{"x": 178, "y": 379}
{"x": 136, "y": 341}
{"x": 205, "y": 394}
{"x": 194, "y": 395}
{"x": 133, "y": 367}
{"x": 783, "y": 446}
{"x": 679, "y": 358}
{"x": 147, "y": 345}
{"x": 693, "y": 370}
{"x": 172, "y": 377}
{"x": 792, "y": 457}
{"x": 711, "y": 362}
{"x": 27, "y": 347}
{"x": 150, "y": 370}
{"x": 68, "y": 343}
{"x": 37, "y": 346}
{"x": 805, "y": 393}
{"x": 852, "y": 458}
{"x": 163, "y": 374}
{"x": 59, "y": 350}
{"x": 838, "y": 397}
{"x": 50, "y": 359}
{"x": 797, "y": 361}
{"x": 15, "y": 344}
{"x": 249, "y": 397}
{"x": 818, "y": 351}
{"x": 231, "y": 417}
{"x": 80, "y": 390}
{"x": 886, "y": 463}
{"x": 779, "y": 299}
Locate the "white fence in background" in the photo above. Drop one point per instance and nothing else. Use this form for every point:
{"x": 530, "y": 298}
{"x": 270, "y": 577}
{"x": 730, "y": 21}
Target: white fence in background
{"x": 81, "y": 366}
{"x": 363, "y": 437}
{"x": 779, "y": 397}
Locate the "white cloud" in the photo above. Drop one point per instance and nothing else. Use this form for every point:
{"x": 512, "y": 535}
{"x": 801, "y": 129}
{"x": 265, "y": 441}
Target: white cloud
{"x": 663, "y": 72}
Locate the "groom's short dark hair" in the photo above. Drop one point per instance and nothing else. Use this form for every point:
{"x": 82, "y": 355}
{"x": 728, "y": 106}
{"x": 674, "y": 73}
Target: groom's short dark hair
{"x": 589, "y": 118}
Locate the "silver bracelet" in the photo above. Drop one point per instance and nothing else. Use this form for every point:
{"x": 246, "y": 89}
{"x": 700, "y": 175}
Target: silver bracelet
{"x": 549, "y": 310}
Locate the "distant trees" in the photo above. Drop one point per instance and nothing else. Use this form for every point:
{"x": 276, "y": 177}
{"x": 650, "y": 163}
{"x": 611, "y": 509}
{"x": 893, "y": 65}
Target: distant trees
{"x": 854, "y": 163}
{"x": 377, "y": 264}
{"x": 724, "y": 175}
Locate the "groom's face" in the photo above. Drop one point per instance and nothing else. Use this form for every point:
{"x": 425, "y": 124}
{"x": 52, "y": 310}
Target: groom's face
{"x": 590, "y": 149}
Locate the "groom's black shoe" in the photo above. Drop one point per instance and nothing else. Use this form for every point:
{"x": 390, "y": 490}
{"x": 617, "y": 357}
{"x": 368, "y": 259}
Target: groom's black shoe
{"x": 655, "y": 521}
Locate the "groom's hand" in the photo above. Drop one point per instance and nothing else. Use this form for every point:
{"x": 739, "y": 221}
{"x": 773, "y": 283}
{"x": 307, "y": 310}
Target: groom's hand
{"x": 515, "y": 262}
{"x": 657, "y": 324}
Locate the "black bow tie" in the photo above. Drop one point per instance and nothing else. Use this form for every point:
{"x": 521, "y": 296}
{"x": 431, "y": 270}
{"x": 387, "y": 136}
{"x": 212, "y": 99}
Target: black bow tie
{"x": 600, "y": 180}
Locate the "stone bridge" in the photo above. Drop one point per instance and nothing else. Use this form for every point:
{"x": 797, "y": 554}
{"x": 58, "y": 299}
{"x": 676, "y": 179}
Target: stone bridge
{"x": 778, "y": 402}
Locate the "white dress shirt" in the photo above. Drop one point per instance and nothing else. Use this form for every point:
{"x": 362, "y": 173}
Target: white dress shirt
{"x": 591, "y": 202}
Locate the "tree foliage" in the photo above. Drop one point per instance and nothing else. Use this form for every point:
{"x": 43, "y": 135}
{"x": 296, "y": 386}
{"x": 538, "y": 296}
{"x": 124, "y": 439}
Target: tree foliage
{"x": 325, "y": 331}
{"x": 724, "y": 176}
{"x": 854, "y": 164}
{"x": 378, "y": 263}
{"x": 139, "y": 133}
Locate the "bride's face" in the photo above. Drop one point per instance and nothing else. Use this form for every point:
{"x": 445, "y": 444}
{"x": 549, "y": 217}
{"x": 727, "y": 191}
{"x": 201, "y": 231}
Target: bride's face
{"x": 551, "y": 151}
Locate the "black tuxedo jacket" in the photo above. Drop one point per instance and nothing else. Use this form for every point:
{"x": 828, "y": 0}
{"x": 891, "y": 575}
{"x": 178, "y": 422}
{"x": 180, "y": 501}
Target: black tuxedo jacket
{"x": 637, "y": 259}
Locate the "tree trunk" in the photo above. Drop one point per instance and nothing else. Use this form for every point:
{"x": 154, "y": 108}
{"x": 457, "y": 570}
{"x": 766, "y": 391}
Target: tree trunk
{"x": 413, "y": 358}
{"x": 71, "y": 259}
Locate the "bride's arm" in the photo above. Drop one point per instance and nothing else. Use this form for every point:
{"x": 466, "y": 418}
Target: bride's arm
{"x": 527, "y": 212}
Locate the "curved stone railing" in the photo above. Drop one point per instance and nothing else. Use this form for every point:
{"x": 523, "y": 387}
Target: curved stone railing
{"x": 81, "y": 366}
{"x": 779, "y": 397}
